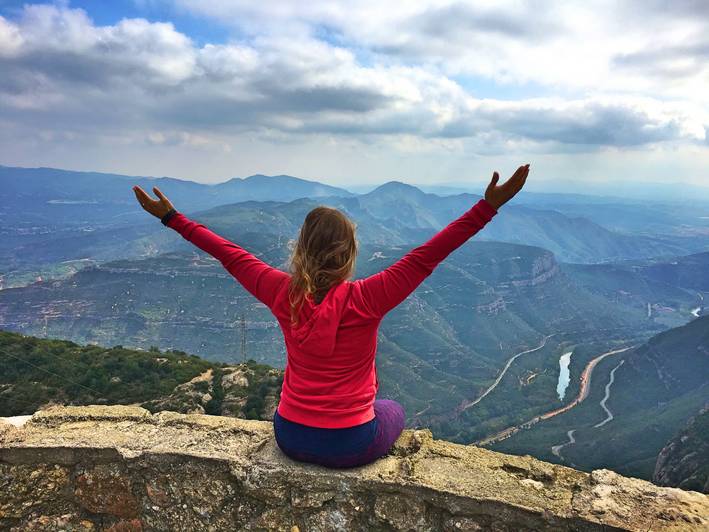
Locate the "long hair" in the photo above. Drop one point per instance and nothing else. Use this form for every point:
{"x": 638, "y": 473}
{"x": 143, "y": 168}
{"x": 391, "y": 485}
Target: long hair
{"x": 324, "y": 255}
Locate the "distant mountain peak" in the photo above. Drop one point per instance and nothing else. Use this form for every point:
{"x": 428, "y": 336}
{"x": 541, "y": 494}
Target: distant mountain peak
{"x": 398, "y": 187}
{"x": 297, "y": 185}
{"x": 264, "y": 177}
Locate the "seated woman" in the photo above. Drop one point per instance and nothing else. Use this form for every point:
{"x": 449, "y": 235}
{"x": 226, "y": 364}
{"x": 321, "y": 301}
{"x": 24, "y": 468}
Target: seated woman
{"x": 328, "y": 413}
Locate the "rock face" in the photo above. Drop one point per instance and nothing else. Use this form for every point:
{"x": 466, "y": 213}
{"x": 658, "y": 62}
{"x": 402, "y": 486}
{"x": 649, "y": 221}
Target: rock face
{"x": 124, "y": 469}
{"x": 684, "y": 461}
{"x": 249, "y": 391}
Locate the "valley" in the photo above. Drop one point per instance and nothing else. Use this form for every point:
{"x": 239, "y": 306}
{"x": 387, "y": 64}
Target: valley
{"x": 494, "y": 385}
{"x": 585, "y": 387}
{"x": 513, "y": 342}
{"x": 446, "y": 346}
{"x": 631, "y": 408}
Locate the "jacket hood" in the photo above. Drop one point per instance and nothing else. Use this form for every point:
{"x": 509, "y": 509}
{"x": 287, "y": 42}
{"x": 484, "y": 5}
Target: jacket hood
{"x": 318, "y": 333}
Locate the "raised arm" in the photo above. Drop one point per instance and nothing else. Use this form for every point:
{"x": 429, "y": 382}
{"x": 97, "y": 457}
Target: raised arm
{"x": 385, "y": 290}
{"x": 260, "y": 279}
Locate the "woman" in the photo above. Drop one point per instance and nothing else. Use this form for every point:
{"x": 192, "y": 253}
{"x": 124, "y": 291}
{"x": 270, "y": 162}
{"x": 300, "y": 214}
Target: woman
{"x": 328, "y": 413}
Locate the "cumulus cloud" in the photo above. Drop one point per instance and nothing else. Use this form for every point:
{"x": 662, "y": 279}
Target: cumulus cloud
{"x": 689, "y": 60}
{"x": 137, "y": 73}
{"x": 65, "y": 45}
{"x": 356, "y": 70}
{"x": 561, "y": 44}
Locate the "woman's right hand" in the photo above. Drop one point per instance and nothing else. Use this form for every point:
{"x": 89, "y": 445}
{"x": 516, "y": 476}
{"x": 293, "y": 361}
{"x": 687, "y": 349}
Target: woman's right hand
{"x": 497, "y": 196}
{"x": 159, "y": 207}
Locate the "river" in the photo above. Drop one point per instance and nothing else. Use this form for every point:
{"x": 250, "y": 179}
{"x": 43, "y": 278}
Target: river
{"x": 583, "y": 394}
{"x": 564, "y": 375}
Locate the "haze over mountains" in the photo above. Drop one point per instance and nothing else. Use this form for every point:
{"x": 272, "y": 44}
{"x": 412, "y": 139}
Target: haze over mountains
{"x": 627, "y": 190}
{"x": 49, "y": 217}
{"x": 552, "y": 273}
{"x": 49, "y": 195}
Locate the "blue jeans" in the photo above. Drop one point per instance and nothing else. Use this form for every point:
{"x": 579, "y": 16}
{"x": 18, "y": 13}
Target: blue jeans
{"x": 346, "y": 447}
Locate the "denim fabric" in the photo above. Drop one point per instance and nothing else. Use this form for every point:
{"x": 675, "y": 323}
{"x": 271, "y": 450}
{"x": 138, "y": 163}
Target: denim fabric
{"x": 347, "y": 447}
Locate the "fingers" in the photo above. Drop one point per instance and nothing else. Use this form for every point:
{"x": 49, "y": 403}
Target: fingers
{"x": 515, "y": 183}
{"x": 142, "y": 196}
{"x": 520, "y": 177}
{"x": 493, "y": 182}
{"x": 519, "y": 172}
{"x": 163, "y": 199}
{"x": 524, "y": 175}
{"x": 159, "y": 194}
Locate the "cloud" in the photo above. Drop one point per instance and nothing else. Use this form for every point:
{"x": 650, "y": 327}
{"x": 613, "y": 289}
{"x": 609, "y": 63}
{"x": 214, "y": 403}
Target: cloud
{"x": 687, "y": 9}
{"x": 10, "y": 38}
{"x": 615, "y": 122}
{"x": 555, "y": 44}
{"x": 64, "y": 44}
{"x": 684, "y": 61}
{"x": 394, "y": 76}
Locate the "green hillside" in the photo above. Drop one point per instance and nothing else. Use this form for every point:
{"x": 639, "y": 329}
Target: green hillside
{"x": 659, "y": 386}
{"x": 35, "y": 373}
{"x": 442, "y": 347}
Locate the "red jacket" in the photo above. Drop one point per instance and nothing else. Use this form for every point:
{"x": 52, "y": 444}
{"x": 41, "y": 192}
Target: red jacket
{"x": 331, "y": 378}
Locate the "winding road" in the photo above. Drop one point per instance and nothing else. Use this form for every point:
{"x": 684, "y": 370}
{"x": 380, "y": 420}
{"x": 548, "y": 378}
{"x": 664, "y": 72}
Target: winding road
{"x": 465, "y": 406}
{"x": 609, "y": 414}
{"x": 698, "y": 310}
{"x": 556, "y": 450}
{"x": 584, "y": 391}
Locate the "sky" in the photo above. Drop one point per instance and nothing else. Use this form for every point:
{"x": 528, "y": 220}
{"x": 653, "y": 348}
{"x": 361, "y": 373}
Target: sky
{"x": 359, "y": 92}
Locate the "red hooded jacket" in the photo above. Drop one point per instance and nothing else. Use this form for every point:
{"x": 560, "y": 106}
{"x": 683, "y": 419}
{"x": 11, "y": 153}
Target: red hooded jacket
{"x": 331, "y": 378}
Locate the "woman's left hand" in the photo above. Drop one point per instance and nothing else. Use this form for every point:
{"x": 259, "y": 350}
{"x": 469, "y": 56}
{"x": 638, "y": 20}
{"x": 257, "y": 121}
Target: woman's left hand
{"x": 497, "y": 195}
{"x": 159, "y": 207}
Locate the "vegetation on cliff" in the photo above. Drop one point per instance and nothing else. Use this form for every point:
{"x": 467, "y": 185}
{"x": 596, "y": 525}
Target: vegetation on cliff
{"x": 37, "y": 372}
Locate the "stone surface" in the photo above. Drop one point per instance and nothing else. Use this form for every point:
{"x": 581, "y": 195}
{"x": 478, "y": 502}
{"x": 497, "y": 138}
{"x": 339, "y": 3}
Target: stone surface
{"x": 123, "y": 469}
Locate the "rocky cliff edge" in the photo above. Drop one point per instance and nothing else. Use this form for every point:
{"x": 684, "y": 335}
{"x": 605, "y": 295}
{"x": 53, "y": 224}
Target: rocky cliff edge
{"x": 121, "y": 468}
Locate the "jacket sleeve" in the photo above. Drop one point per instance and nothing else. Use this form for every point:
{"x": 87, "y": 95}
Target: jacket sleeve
{"x": 260, "y": 279}
{"x": 385, "y": 290}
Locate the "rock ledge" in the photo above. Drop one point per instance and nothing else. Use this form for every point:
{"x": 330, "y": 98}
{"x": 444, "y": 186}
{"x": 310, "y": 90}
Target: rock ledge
{"x": 121, "y": 468}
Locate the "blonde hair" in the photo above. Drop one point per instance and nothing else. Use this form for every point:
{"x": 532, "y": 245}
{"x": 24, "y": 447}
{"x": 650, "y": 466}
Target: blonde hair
{"x": 323, "y": 255}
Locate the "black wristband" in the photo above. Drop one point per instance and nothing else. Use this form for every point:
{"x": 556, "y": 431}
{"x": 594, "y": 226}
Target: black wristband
{"x": 168, "y": 215}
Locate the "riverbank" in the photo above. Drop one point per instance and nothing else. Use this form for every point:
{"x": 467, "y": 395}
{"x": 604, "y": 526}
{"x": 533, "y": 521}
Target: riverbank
{"x": 584, "y": 391}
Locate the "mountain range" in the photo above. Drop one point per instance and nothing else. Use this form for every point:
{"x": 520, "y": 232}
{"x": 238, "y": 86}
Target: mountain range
{"x": 54, "y": 222}
{"x": 437, "y": 350}
{"x": 474, "y": 351}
